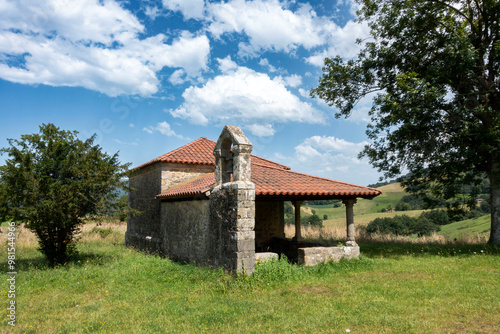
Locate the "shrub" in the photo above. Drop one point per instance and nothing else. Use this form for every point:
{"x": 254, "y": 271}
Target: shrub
{"x": 52, "y": 181}
{"x": 402, "y": 206}
{"x": 438, "y": 217}
{"x": 402, "y": 225}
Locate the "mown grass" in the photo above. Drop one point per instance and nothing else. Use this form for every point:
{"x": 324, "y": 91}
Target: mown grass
{"x": 396, "y": 287}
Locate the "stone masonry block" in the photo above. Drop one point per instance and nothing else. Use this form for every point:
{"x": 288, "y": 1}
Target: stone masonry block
{"x": 266, "y": 256}
{"x": 244, "y": 235}
{"x": 246, "y": 265}
{"x": 240, "y": 185}
{"x": 246, "y": 195}
{"x": 245, "y": 213}
{"x": 246, "y": 204}
{"x": 245, "y": 246}
{"x": 245, "y": 223}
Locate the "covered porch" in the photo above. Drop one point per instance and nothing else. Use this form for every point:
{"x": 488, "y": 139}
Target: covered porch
{"x": 270, "y": 231}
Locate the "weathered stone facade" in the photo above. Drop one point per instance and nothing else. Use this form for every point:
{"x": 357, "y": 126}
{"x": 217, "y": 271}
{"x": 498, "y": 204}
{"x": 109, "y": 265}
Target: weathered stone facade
{"x": 185, "y": 227}
{"x": 143, "y": 231}
{"x": 217, "y": 230}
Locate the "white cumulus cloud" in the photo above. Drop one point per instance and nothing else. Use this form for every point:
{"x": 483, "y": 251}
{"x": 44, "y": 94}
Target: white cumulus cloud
{"x": 91, "y": 44}
{"x": 331, "y": 157}
{"x": 268, "y": 25}
{"x": 261, "y": 130}
{"x": 163, "y": 128}
{"x": 341, "y": 41}
{"x": 191, "y": 9}
{"x": 245, "y": 97}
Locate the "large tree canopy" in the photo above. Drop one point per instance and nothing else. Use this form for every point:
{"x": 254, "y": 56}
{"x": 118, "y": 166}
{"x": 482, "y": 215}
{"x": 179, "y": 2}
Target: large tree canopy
{"x": 51, "y": 181}
{"x": 433, "y": 69}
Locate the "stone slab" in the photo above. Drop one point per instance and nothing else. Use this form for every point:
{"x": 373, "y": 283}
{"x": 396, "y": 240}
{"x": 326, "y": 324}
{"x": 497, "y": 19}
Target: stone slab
{"x": 312, "y": 256}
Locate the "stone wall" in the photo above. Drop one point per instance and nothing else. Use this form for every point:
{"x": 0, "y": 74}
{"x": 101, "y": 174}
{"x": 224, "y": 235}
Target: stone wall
{"x": 231, "y": 226}
{"x": 143, "y": 231}
{"x": 174, "y": 174}
{"x": 185, "y": 230}
{"x": 269, "y": 222}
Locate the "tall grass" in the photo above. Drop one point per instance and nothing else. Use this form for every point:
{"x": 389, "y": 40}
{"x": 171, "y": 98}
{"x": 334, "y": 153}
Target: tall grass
{"x": 334, "y": 234}
{"x": 395, "y": 287}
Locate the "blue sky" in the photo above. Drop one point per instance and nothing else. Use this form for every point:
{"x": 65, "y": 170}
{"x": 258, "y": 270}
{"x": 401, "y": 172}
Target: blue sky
{"x": 150, "y": 76}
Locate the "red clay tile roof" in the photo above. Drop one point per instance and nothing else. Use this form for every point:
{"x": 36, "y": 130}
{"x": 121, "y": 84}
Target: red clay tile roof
{"x": 278, "y": 182}
{"x": 270, "y": 178}
{"x": 271, "y": 181}
{"x": 200, "y": 152}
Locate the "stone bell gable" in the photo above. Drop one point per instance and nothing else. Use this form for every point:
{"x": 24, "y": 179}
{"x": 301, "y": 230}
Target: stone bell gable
{"x": 232, "y": 202}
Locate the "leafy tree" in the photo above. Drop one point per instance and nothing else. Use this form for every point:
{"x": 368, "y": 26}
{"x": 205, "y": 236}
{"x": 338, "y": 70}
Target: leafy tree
{"x": 402, "y": 206}
{"x": 485, "y": 206}
{"x": 121, "y": 209}
{"x": 432, "y": 67}
{"x": 438, "y": 217}
{"x": 311, "y": 220}
{"x": 52, "y": 181}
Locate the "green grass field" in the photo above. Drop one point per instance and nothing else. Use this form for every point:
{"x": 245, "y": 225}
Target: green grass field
{"x": 393, "y": 288}
{"x": 478, "y": 226}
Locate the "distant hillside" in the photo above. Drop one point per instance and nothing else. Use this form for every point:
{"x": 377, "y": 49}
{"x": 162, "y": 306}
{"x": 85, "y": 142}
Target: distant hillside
{"x": 365, "y": 210}
{"x": 476, "y": 227}
{"x": 393, "y": 188}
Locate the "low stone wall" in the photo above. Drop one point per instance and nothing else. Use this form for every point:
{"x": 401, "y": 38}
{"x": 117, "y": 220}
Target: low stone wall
{"x": 312, "y": 256}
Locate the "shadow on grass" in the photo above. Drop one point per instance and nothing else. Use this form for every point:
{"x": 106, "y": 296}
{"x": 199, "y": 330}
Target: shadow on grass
{"x": 377, "y": 249}
{"x": 40, "y": 262}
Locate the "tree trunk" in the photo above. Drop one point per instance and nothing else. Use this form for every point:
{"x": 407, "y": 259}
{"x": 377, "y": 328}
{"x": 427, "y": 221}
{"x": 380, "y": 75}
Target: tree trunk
{"x": 495, "y": 203}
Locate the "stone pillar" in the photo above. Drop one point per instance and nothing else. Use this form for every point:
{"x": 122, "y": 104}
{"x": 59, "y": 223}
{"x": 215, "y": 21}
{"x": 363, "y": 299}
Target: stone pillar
{"x": 232, "y": 223}
{"x": 349, "y": 210}
{"x": 298, "y": 235}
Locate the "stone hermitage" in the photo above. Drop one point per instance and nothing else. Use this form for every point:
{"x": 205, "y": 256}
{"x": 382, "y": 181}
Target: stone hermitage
{"x": 216, "y": 204}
